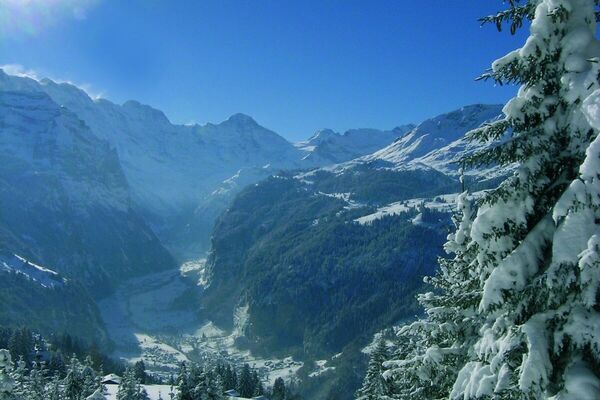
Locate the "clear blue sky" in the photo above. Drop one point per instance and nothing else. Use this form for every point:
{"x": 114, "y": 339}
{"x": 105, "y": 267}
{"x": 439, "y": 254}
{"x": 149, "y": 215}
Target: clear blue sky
{"x": 295, "y": 66}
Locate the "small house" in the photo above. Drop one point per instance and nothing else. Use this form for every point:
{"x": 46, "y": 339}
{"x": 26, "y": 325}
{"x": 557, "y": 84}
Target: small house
{"x": 111, "y": 379}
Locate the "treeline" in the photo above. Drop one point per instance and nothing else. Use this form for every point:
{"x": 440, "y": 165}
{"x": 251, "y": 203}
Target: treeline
{"x": 55, "y": 352}
{"x": 196, "y": 382}
{"x": 82, "y": 382}
{"x": 38, "y": 382}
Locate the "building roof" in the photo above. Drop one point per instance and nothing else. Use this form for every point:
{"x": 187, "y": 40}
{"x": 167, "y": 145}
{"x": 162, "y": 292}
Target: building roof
{"x": 111, "y": 378}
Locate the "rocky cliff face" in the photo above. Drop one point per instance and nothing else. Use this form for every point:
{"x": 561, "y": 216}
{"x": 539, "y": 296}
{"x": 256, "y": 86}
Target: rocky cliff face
{"x": 64, "y": 197}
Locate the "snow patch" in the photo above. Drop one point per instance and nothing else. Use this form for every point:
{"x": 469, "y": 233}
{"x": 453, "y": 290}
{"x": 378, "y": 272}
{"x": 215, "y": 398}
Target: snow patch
{"x": 45, "y": 277}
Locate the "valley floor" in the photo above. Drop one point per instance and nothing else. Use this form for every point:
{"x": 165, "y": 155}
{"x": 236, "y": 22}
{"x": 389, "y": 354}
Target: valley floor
{"x": 153, "y": 318}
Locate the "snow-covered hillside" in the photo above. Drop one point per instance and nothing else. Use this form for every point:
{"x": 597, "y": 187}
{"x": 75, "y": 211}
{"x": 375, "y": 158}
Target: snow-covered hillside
{"x": 36, "y": 273}
{"x": 437, "y": 143}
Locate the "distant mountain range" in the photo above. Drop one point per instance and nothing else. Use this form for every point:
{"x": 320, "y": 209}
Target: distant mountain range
{"x": 180, "y": 176}
{"x": 327, "y": 147}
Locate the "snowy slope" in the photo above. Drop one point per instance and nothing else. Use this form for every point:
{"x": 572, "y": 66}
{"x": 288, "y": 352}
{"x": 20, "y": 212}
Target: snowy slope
{"x": 30, "y": 293}
{"x": 437, "y": 143}
{"x": 42, "y": 276}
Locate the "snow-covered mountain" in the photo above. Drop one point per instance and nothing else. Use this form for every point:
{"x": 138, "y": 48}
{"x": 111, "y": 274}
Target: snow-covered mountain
{"x": 181, "y": 177}
{"x": 328, "y": 147}
{"x": 170, "y": 168}
{"x": 64, "y": 200}
{"x": 437, "y": 143}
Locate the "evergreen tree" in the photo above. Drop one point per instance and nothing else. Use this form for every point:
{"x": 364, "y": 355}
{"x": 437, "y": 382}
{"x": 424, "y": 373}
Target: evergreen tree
{"x": 73, "y": 382}
{"x": 208, "y": 386}
{"x": 259, "y": 389}
{"x": 375, "y": 385}
{"x": 129, "y": 388}
{"x": 7, "y": 383}
{"x": 35, "y": 385}
{"x": 246, "y": 383}
{"x": 229, "y": 378}
{"x": 515, "y": 313}
{"x": 140, "y": 372}
{"x": 184, "y": 385}
{"x": 54, "y": 389}
{"x": 431, "y": 351}
{"x": 20, "y": 344}
{"x": 89, "y": 379}
{"x": 278, "y": 392}
{"x": 57, "y": 363}
{"x": 19, "y": 376}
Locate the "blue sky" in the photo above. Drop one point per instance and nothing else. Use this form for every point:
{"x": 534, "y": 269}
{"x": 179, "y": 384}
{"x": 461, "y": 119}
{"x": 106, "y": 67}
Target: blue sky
{"x": 295, "y": 66}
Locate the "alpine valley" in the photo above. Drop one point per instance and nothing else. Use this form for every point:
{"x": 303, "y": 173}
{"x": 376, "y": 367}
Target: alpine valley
{"x": 225, "y": 241}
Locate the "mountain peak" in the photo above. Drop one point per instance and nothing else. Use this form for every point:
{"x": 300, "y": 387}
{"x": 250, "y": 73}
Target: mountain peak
{"x": 134, "y": 107}
{"x": 322, "y": 135}
{"x": 242, "y": 119}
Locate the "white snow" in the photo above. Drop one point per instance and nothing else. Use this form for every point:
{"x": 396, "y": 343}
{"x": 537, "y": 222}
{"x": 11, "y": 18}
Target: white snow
{"x": 346, "y": 197}
{"x": 580, "y": 383}
{"x": 196, "y": 269}
{"x": 441, "y": 203}
{"x": 321, "y": 368}
{"x": 591, "y": 107}
{"x": 438, "y": 142}
{"x": 43, "y": 276}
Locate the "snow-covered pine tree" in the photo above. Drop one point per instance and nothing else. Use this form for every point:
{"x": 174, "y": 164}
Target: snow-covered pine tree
{"x": 19, "y": 376}
{"x": 535, "y": 234}
{"x": 431, "y": 350}
{"x": 35, "y": 384}
{"x": 516, "y": 314}
{"x": 184, "y": 384}
{"x": 54, "y": 390}
{"x": 129, "y": 388}
{"x": 246, "y": 385}
{"x": 375, "y": 386}
{"x": 6, "y": 382}
{"x": 208, "y": 385}
{"x": 259, "y": 389}
{"x": 73, "y": 382}
{"x": 88, "y": 378}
